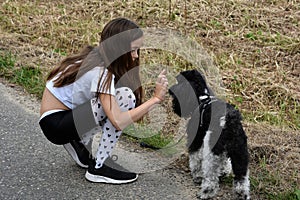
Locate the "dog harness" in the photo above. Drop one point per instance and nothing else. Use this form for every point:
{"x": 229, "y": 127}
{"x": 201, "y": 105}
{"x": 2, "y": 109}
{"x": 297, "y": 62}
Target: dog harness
{"x": 205, "y": 100}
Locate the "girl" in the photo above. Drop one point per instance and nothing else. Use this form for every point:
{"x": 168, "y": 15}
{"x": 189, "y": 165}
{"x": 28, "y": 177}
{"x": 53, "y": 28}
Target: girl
{"x": 98, "y": 88}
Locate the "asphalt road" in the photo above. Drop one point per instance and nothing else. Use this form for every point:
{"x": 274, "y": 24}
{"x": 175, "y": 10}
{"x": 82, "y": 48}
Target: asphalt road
{"x": 34, "y": 168}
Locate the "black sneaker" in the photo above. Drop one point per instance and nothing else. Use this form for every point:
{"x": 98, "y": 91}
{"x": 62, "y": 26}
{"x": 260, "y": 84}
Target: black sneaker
{"x": 78, "y": 152}
{"x": 109, "y": 173}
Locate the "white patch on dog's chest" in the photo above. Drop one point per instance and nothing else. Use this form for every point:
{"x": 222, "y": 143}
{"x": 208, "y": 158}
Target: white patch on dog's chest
{"x": 206, "y": 149}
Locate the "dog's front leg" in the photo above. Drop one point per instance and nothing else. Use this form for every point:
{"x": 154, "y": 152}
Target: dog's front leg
{"x": 195, "y": 165}
{"x": 210, "y": 171}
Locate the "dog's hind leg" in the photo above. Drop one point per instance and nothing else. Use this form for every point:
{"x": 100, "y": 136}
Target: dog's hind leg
{"x": 225, "y": 165}
{"x": 242, "y": 187}
{"x": 240, "y": 160}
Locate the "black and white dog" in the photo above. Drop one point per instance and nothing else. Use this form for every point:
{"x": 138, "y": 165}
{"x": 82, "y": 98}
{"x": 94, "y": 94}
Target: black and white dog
{"x": 216, "y": 140}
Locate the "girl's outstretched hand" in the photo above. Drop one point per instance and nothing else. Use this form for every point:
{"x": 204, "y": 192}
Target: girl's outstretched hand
{"x": 161, "y": 86}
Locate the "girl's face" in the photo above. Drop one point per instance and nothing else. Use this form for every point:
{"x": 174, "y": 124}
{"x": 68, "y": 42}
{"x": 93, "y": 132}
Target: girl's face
{"x": 135, "y": 46}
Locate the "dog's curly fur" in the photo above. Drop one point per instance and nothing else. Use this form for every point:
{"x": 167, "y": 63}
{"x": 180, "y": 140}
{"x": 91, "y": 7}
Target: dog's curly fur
{"x": 217, "y": 142}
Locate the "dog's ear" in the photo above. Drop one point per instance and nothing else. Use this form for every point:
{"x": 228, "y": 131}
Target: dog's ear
{"x": 195, "y": 73}
{"x": 190, "y": 74}
{"x": 180, "y": 78}
{"x": 197, "y": 80}
{"x": 186, "y": 76}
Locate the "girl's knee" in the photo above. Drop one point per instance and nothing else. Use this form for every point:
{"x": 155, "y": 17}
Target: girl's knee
{"x": 125, "y": 98}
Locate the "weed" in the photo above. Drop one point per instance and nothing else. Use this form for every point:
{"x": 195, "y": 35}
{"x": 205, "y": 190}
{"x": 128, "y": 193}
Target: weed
{"x": 251, "y": 36}
{"x": 30, "y": 78}
{"x": 7, "y": 62}
{"x": 143, "y": 134}
{"x": 60, "y": 52}
{"x": 289, "y": 195}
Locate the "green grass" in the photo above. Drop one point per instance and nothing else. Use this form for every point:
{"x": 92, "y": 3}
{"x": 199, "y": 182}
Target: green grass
{"x": 293, "y": 195}
{"x": 289, "y": 195}
{"x": 7, "y": 61}
{"x": 143, "y": 134}
{"x": 30, "y": 78}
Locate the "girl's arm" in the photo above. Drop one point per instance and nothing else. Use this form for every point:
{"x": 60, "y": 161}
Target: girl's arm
{"x": 121, "y": 119}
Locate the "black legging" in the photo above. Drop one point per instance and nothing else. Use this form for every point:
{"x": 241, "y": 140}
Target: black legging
{"x": 64, "y": 126}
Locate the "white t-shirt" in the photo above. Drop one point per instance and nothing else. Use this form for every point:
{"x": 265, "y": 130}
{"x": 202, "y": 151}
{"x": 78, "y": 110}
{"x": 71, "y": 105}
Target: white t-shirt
{"x": 82, "y": 90}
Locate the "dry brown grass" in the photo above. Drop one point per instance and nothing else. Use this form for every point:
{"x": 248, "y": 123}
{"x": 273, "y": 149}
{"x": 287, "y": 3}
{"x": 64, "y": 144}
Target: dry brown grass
{"x": 255, "y": 44}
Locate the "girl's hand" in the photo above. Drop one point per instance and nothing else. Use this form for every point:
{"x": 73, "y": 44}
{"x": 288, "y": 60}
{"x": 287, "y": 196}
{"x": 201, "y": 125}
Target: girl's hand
{"x": 161, "y": 86}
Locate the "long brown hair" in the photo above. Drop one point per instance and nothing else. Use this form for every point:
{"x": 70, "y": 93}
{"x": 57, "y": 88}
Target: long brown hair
{"x": 69, "y": 68}
{"x": 115, "y": 49}
{"x": 113, "y": 52}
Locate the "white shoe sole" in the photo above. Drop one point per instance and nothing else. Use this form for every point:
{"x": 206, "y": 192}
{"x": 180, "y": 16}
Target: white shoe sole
{"x": 102, "y": 179}
{"x": 73, "y": 154}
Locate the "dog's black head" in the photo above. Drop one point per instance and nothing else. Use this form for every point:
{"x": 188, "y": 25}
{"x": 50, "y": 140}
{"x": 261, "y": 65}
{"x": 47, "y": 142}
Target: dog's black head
{"x": 185, "y": 94}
